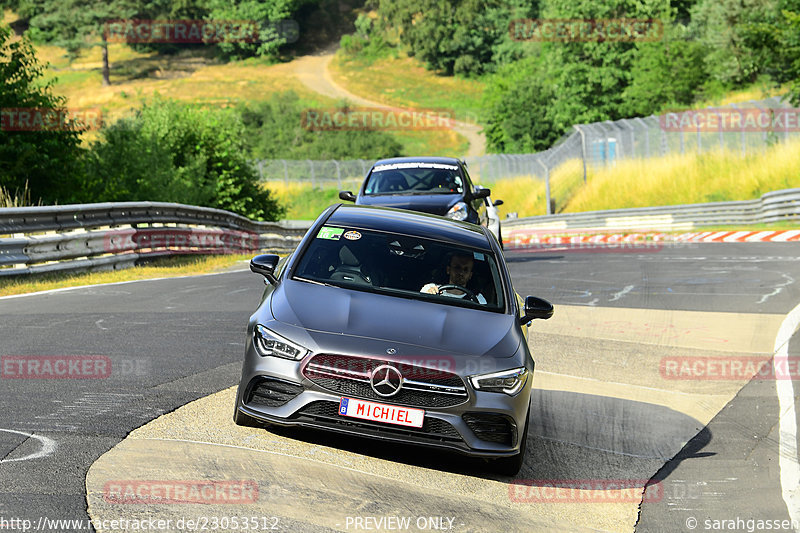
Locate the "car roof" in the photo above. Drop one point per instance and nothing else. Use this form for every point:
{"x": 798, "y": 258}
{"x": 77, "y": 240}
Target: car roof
{"x": 445, "y": 160}
{"x": 410, "y": 223}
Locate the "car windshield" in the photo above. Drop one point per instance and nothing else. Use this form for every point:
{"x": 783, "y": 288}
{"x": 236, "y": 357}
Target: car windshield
{"x": 414, "y": 178}
{"x": 399, "y": 265}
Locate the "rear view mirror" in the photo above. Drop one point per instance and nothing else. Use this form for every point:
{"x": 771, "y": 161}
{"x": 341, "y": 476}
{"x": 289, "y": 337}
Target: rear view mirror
{"x": 497, "y": 202}
{"x": 347, "y": 196}
{"x": 265, "y": 265}
{"x": 536, "y": 308}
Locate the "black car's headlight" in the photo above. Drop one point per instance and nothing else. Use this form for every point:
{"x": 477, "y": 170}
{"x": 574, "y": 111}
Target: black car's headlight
{"x": 458, "y": 212}
{"x": 509, "y": 381}
{"x": 269, "y": 343}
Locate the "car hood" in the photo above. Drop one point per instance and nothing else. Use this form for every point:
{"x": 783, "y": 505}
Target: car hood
{"x": 436, "y": 204}
{"x": 334, "y": 317}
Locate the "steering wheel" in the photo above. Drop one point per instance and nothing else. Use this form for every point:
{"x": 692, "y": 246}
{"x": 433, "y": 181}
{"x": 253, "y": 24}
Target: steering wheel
{"x": 469, "y": 294}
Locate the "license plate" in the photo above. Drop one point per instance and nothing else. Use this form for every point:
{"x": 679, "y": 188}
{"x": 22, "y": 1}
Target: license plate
{"x": 380, "y": 412}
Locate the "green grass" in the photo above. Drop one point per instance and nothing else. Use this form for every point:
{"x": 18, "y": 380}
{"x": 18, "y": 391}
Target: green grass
{"x": 159, "y": 268}
{"x": 404, "y": 81}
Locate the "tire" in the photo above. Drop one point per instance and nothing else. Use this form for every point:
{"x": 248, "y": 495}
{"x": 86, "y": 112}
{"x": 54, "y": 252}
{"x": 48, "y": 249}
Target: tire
{"x": 241, "y": 419}
{"x": 510, "y": 466}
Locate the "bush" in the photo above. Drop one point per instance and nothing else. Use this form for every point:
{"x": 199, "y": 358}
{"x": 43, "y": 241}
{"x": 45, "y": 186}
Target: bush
{"x": 274, "y": 130}
{"x": 175, "y": 152}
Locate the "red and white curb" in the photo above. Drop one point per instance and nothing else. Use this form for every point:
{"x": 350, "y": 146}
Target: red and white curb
{"x": 740, "y": 236}
{"x": 586, "y": 238}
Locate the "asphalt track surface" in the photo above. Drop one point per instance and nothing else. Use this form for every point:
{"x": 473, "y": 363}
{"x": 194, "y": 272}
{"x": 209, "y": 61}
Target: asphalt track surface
{"x": 604, "y": 410}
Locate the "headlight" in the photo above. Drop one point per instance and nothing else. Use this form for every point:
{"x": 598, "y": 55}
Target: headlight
{"x": 458, "y": 211}
{"x": 269, "y": 343}
{"x": 508, "y": 381}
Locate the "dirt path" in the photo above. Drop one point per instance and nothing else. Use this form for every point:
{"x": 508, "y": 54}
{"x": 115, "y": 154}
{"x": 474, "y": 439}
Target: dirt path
{"x": 313, "y": 72}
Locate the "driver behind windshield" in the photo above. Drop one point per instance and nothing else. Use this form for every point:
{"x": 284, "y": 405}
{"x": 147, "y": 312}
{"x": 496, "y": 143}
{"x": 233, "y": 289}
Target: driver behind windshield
{"x": 459, "y": 272}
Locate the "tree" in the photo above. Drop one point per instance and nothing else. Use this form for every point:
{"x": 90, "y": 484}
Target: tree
{"x": 76, "y": 24}
{"x": 670, "y": 71}
{"x": 574, "y": 80}
{"x": 176, "y": 152}
{"x": 466, "y": 37}
{"x": 723, "y": 27}
{"x": 48, "y": 161}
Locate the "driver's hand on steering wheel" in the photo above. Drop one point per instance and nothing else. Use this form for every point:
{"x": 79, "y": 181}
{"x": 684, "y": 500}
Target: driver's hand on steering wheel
{"x": 430, "y": 288}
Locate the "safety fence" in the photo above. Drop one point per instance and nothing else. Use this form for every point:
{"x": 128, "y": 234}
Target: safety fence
{"x": 118, "y": 235}
{"x": 742, "y": 128}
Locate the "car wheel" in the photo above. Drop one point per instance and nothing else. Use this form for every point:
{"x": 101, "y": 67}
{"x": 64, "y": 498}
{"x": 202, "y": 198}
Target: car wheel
{"x": 241, "y": 419}
{"x": 510, "y": 466}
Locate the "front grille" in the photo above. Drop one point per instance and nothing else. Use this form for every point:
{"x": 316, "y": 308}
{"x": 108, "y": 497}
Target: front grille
{"x": 492, "y": 427}
{"x": 271, "y": 392}
{"x": 350, "y": 376}
{"x": 325, "y": 411}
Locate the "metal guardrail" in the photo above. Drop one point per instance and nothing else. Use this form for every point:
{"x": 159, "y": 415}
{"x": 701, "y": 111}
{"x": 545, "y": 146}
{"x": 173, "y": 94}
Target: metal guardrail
{"x": 117, "y": 235}
{"x": 777, "y": 206}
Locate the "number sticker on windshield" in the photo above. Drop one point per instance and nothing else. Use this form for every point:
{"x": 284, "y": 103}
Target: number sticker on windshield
{"x": 330, "y": 233}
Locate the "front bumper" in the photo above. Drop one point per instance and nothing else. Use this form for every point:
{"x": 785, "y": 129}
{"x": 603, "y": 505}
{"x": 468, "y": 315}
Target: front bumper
{"x": 480, "y": 424}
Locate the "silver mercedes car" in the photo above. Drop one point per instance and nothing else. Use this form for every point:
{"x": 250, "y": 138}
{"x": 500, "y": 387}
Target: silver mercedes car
{"x": 393, "y": 325}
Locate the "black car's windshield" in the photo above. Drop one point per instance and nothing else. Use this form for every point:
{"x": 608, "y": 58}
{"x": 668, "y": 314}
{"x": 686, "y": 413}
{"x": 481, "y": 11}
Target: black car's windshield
{"x": 404, "y": 266}
{"x": 414, "y": 178}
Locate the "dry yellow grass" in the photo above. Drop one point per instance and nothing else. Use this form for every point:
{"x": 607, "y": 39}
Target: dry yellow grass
{"x": 742, "y": 95}
{"x": 181, "y": 77}
{"x": 181, "y": 266}
{"x": 526, "y": 195}
{"x": 675, "y": 179}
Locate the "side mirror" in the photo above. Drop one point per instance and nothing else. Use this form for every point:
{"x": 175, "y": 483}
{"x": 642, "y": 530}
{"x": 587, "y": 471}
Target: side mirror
{"x": 265, "y": 265}
{"x": 347, "y": 196}
{"x": 481, "y": 193}
{"x": 536, "y": 308}
{"x": 497, "y": 202}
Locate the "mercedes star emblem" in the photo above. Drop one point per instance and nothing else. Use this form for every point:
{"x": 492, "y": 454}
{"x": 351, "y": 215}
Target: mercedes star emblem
{"x": 386, "y": 381}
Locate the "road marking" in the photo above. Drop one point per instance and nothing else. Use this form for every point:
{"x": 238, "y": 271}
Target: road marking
{"x": 48, "y": 446}
{"x": 621, "y": 293}
{"x": 787, "y": 449}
